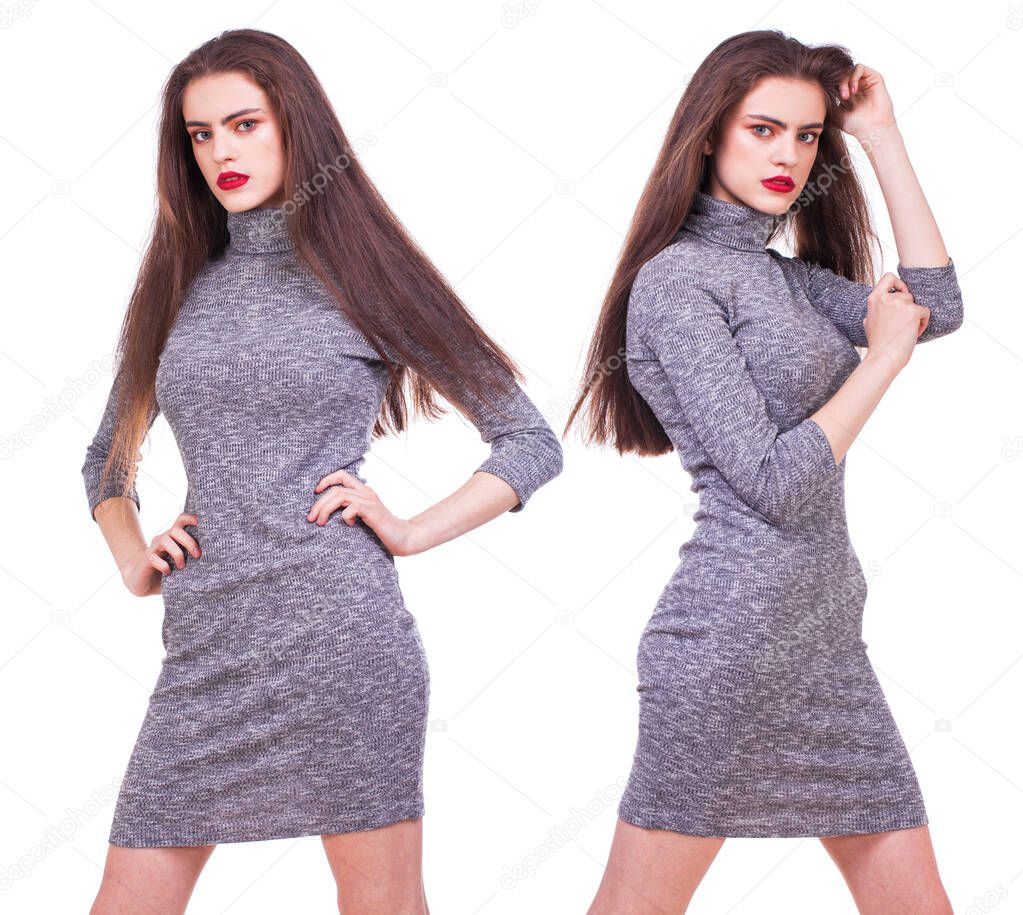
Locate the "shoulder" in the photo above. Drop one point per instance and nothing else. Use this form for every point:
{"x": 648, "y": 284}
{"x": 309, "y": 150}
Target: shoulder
{"x": 677, "y": 265}
{"x": 793, "y": 266}
{"x": 677, "y": 277}
{"x": 787, "y": 263}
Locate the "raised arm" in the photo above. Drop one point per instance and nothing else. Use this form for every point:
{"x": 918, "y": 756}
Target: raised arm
{"x": 867, "y": 114}
{"x": 773, "y": 472}
{"x": 844, "y": 302}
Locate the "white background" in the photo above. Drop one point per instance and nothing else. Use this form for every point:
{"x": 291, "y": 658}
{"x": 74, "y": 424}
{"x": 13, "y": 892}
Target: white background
{"x": 473, "y": 114}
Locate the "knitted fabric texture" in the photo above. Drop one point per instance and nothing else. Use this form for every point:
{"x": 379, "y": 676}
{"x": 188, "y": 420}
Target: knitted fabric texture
{"x": 292, "y": 698}
{"x": 760, "y": 712}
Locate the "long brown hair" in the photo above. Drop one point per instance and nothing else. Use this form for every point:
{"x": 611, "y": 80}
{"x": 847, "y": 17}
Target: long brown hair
{"x": 392, "y": 293}
{"x": 835, "y": 231}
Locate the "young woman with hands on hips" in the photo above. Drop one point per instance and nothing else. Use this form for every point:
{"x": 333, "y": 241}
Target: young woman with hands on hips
{"x": 278, "y": 330}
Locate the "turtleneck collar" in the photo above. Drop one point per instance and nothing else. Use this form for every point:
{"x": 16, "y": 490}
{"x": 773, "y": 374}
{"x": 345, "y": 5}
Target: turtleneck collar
{"x": 733, "y": 224}
{"x": 261, "y": 230}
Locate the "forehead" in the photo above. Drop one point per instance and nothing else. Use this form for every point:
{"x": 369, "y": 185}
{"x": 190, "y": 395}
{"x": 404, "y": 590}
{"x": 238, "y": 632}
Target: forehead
{"x": 211, "y": 97}
{"x": 793, "y": 101}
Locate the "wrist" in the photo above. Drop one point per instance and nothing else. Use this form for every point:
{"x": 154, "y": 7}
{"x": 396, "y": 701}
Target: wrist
{"x": 410, "y": 537}
{"x": 880, "y": 137}
{"x": 884, "y": 358}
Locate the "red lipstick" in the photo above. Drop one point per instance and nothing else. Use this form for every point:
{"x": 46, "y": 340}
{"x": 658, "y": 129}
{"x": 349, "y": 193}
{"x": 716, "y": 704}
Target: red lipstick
{"x": 781, "y": 183}
{"x": 228, "y": 180}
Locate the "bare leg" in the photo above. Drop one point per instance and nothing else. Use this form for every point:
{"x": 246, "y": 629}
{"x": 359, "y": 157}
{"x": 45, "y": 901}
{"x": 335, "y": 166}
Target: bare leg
{"x": 379, "y": 870}
{"x": 652, "y": 871}
{"x": 149, "y": 881}
{"x": 891, "y": 873}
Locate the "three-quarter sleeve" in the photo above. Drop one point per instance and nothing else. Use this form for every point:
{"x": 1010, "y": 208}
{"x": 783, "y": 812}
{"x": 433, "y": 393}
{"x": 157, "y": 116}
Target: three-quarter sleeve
{"x": 844, "y": 301}
{"x": 96, "y": 455}
{"x": 773, "y": 472}
{"x": 524, "y": 451}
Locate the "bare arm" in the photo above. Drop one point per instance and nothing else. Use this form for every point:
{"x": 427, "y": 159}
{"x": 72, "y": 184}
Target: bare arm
{"x": 118, "y": 520}
{"x": 916, "y": 233}
{"x": 924, "y": 265}
{"x": 885, "y": 322}
{"x": 480, "y": 499}
{"x": 844, "y": 416}
{"x": 524, "y": 455}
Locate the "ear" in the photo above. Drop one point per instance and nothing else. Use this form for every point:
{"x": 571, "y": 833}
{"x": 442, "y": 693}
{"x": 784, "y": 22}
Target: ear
{"x": 707, "y": 147}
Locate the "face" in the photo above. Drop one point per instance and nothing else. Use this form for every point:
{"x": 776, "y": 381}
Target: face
{"x": 234, "y": 129}
{"x": 772, "y": 132}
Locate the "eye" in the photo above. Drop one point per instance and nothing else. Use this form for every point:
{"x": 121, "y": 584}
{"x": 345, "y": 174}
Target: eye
{"x": 195, "y": 136}
{"x": 758, "y": 126}
{"x": 812, "y": 136}
{"x": 246, "y": 121}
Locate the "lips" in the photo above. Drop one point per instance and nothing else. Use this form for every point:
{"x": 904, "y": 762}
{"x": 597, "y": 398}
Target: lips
{"x": 228, "y": 180}
{"x": 780, "y": 183}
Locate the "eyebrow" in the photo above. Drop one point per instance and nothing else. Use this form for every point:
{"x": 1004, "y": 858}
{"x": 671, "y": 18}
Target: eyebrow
{"x": 230, "y": 117}
{"x": 781, "y": 124}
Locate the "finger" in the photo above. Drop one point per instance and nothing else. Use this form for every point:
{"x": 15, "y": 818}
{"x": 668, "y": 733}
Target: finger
{"x": 342, "y": 477}
{"x": 331, "y": 479}
{"x": 326, "y": 505}
{"x": 320, "y": 505}
{"x": 159, "y": 563}
{"x": 889, "y": 282}
{"x": 186, "y": 540}
{"x": 167, "y": 543}
{"x": 350, "y": 514}
{"x": 184, "y": 519}
{"x": 884, "y": 282}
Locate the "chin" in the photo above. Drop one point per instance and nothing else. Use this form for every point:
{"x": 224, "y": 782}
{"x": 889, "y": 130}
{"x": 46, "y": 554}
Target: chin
{"x": 234, "y": 202}
{"x": 772, "y": 202}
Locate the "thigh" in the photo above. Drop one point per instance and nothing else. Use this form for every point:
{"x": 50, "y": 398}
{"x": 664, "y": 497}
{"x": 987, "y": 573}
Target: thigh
{"x": 148, "y": 881}
{"x": 891, "y": 872}
{"x": 652, "y": 871}
{"x": 379, "y": 870}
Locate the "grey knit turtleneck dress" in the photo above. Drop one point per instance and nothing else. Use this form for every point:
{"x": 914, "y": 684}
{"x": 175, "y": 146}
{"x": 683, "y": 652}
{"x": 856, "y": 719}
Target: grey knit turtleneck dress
{"x": 760, "y": 712}
{"x": 293, "y": 694}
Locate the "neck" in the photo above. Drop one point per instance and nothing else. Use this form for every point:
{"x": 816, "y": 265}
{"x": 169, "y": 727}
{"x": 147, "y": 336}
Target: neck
{"x": 261, "y": 230}
{"x": 732, "y": 224}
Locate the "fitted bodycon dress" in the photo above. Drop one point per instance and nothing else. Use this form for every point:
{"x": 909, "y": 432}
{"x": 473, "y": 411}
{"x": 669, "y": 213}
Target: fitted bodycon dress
{"x": 759, "y": 711}
{"x": 292, "y": 698}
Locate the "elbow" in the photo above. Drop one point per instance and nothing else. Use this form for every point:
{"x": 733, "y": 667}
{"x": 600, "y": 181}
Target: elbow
{"x": 99, "y": 490}
{"x": 786, "y": 487}
{"x": 526, "y": 463}
{"x": 950, "y": 317}
{"x": 772, "y": 506}
{"x": 548, "y": 461}
{"x": 545, "y": 456}
{"x": 778, "y": 507}
{"x": 551, "y": 456}
{"x": 944, "y": 319}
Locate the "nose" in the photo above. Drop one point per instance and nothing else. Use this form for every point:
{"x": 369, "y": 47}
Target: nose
{"x": 784, "y": 152}
{"x": 223, "y": 148}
